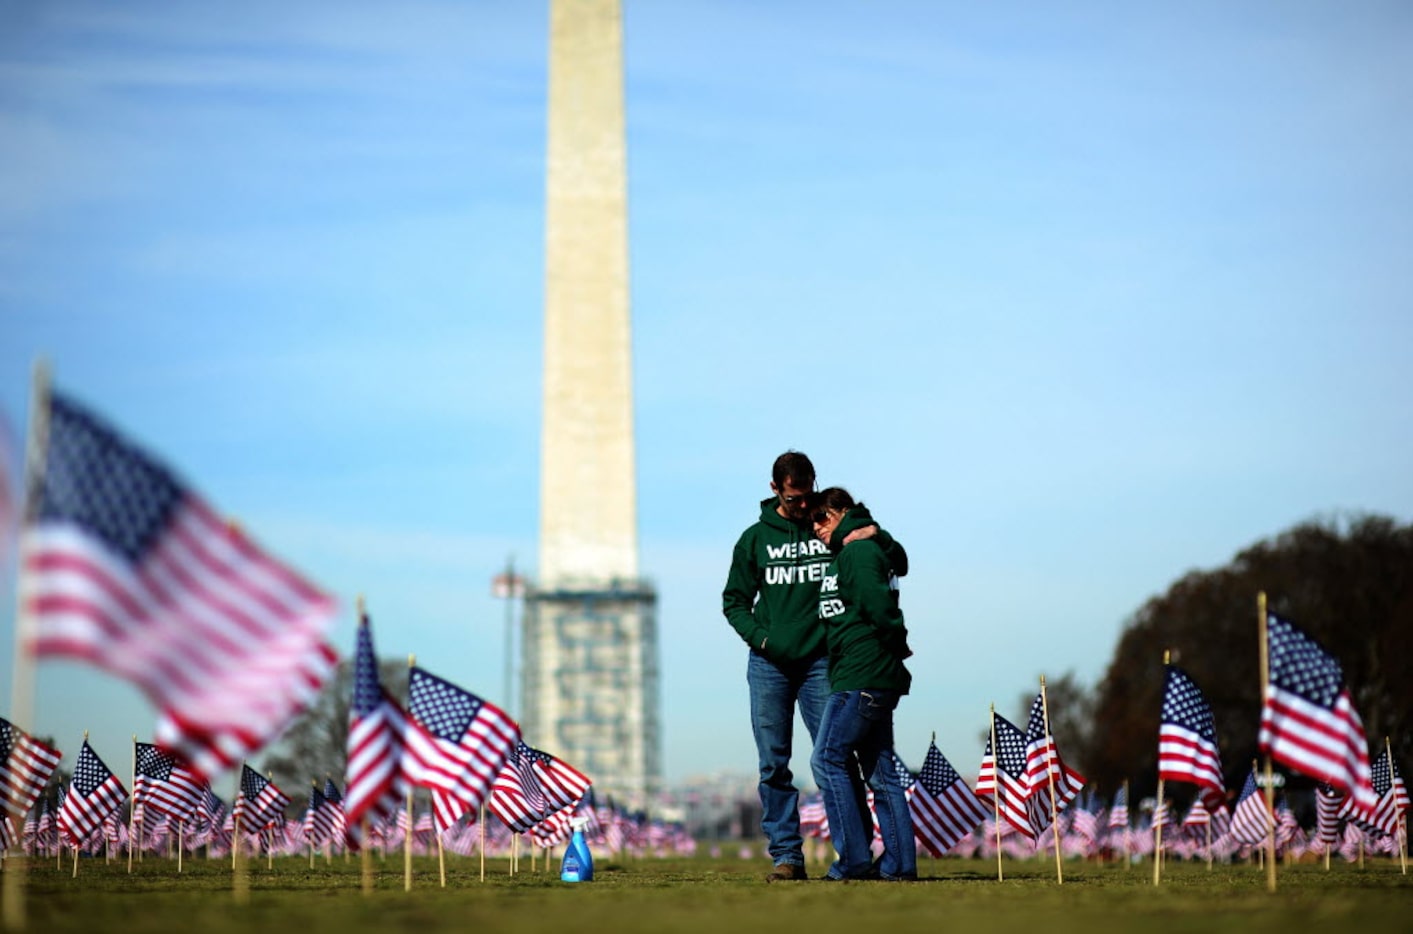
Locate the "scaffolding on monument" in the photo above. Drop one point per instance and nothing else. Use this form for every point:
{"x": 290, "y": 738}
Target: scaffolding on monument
{"x": 593, "y": 696}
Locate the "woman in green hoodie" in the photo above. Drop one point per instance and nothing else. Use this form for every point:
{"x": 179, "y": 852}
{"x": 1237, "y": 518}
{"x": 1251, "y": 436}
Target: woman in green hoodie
{"x": 866, "y": 643}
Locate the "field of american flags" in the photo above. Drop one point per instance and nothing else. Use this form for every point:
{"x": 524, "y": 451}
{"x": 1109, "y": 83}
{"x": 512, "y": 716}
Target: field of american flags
{"x": 709, "y": 894}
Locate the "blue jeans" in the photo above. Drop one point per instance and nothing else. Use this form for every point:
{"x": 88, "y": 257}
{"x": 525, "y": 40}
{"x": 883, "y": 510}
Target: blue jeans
{"x": 775, "y": 692}
{"x": 855, "y": 741}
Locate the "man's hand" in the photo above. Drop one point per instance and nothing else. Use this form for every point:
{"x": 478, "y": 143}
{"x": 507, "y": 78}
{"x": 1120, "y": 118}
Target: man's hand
{"x": 858, "y": 535}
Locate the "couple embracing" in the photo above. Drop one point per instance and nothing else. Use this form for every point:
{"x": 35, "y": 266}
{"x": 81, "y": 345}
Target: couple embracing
{"x": 813, "y": 591}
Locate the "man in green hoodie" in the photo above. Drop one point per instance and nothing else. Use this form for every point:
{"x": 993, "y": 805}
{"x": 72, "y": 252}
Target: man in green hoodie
{"x": 771, "y": 599}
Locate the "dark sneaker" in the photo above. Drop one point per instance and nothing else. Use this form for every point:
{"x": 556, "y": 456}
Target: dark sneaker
{"x": 877, "y": 873}
{"x": 787, "y": 872}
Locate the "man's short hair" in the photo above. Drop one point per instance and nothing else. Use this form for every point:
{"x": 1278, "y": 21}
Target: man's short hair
{"x": 795, "y": 467}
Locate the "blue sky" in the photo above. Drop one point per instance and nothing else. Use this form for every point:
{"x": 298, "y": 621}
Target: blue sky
{"x": 1076, "y": 297}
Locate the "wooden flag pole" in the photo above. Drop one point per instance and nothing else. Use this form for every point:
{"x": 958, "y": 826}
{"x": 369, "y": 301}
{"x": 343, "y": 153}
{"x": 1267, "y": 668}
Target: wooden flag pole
{"x": 441, "y": 853}
{"x": 365, "y": 854}
{"x": 180, "y": 824}
{"x": 132, "y": 802}
{"x": 240, "y": 880}
{"x": 314, "y": 783}
{"x": 1050, "y": 773}
{"x": 407, "y": 839}
{"x": 76, "y": 846}
{"x": 1401, "y": 821}
{"x": 16, "y": 875}
{"x": 1209, "y": 842}
{"x": 1158, "y": 824}
{"x": 1128, "y": 849}
{"x": 269, "y": 837}
{"x": 996, "y": 794}
{"x": 1270, "y": 785}
{"x": 481, "y": 819}
{"x": 407, "y": 847}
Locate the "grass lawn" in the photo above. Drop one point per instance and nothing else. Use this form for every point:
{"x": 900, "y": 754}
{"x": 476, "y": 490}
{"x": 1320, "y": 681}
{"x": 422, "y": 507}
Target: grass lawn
{"x": 724, "y": 896}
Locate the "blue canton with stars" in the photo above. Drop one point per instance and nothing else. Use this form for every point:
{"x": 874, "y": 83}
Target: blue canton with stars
{"x": 443, "y": 708}
{"x": 1301, "y": 666}
{"x": 905, "y": 775}
{"x": 8, "y": 735}
{"x": 521, "y": 761}
{"x": 937, "y": 774}
{"x": 367, "y": 690}
{"x": 1249, "y": 788}
{"x": 104, "y": 484}
{"x": 331, "y": 792}
{"x": 154, "y": 763}
{"x": 1184, "y": 706}
{"x": 1010, "y": 757}
{"x": 251, "y": 784}
{"x": 89, "y": 771}
{"x": 1381, "y": 774}
{"x": 1035, "y": 726}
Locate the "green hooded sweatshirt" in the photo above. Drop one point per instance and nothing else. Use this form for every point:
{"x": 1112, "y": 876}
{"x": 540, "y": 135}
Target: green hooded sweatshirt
{"x": 772, "y": 590}
{"x": 858, "y": 606}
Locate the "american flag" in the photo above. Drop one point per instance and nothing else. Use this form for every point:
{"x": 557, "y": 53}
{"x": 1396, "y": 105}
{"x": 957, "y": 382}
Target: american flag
{"x": 94, "y": 793}
{"x": 1197, "y": 815}
{"x": 1328, "y": 820}
{"x": 1393, "y": 794}
{"x": 456, "y": 743}
{"x": 517, "y": 796}
{"x": 1006, "y": 771}
{"x": 564, "y": 785}
{"x": 166, "y": 786}
{"x": 943, "y": 808}
{"x": 1285, "y": 823}
{"x": 213, "y": 809}
{"x": 1118, "y": 813}
{"x": 1086, "y": 819}
{"x": 321, "y": 819}
{"x": 127, "y": 569}
{"x": 1163, "y": 814}
{"x": 1042, "y": 759}
{"x": 260, "y": 802}
{"x": 114, "y": 833}
{"x": 814, "y": 822}
{"x": 25, "y": 767}
{"x": 1308, "y": 721}
{"x": 335, "y": 805}
{"x": 554, "y": 829}
{"x": 1251, "y": 820}
{"x": 376, "y": 785}
{"x": 1187, "y": 737}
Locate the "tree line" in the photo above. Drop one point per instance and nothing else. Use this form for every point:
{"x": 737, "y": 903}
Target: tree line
{"x": 1347, "y": 581}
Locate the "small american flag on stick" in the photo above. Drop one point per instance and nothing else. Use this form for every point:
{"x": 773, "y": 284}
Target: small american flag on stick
{"x": 25, "y": 767}
{"x": 456, "y": 744}
{"x": 944, "y": 809}
{"x": 1308, "y": 720}
{"x": 165, "y": 786}
{"x": 94, "y": 793}
{"x": 1187, "y": 737}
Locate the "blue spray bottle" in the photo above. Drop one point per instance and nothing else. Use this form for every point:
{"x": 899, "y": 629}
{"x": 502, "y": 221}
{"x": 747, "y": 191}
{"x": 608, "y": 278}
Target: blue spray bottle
{"x": 578, "y": 865}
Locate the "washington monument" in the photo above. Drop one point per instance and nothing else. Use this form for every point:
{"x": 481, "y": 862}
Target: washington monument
{"x": 589, "y": 691}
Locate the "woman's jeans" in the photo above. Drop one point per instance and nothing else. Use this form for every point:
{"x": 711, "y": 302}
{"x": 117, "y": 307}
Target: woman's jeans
{"x": 855, "y": 745}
